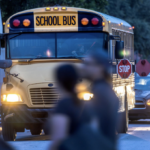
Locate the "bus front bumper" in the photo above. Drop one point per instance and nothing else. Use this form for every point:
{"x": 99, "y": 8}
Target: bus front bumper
{"x": 21, "y": 114}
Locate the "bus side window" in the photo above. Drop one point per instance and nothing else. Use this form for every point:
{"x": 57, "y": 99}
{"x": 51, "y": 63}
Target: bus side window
{"x": 113, "y": 45}
{"x": 125, "y": 42}
{"x": 129, "y": 46}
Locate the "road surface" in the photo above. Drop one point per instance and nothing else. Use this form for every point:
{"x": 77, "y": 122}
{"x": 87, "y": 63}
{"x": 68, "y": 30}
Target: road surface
{"x": 137, "y": 138}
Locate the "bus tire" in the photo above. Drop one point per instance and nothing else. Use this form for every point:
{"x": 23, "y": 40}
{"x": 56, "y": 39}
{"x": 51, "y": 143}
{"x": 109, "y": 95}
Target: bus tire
{"x": 8, "y": 132}
{"x": 36, "y": 131}
{"x": 124, "y": 120}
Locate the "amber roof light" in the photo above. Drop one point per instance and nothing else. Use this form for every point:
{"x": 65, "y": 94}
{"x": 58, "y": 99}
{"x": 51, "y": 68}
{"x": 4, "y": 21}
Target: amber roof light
{"x": 26, "y": 22}
{"x": 47, "y": 8}
{"x": 84, "y": 21}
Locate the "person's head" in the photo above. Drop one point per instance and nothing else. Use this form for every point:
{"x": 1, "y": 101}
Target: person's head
{"x": 96, "y": 66}
{"x": 67, "y": 77}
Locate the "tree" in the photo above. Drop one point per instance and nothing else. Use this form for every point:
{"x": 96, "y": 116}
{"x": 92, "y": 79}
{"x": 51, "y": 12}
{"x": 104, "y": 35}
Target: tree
{"x": 137, "y": 13}
{"x": 10, "y": 7}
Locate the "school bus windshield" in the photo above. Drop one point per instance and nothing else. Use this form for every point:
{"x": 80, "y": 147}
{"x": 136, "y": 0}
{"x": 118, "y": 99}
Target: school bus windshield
{"x": 55, "y": 45}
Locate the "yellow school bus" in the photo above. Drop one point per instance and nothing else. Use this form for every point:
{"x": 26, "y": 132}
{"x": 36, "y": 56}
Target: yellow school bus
{"x": 36, "y": 42}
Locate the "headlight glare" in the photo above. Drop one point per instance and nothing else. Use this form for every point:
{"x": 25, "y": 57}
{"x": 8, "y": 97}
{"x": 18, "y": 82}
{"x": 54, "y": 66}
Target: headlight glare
{"x": 87, "y": 96}
{"x": 11, "y": 98}
{"x": 148, "y": 102}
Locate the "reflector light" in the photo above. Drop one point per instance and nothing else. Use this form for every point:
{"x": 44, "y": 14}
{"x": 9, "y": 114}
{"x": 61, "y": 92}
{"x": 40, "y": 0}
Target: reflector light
{"x": 103, "y": 24}
{"x": 121, "y": 23}
{"x": 133, "y": 27}
{"x": 148, "y": 102}
{"x": 109, "y": 21}
{"x": 26, "y": 22}
{"x": 4, "y": 23}
{"x": 16, "y": 23}
{"x": 95, "y": 21}
{"x": 55, "y": 8}
{"x": 84, "y": 21}
{"x": 8, "y": 25}
{"x": 63, "y": 8}
{"x": 47, "y": 8}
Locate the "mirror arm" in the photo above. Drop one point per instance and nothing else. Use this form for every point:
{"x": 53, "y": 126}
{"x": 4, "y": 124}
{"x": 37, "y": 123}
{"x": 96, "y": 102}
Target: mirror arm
{"x": 1, "y": 36}
{"x": 114, "y": 37}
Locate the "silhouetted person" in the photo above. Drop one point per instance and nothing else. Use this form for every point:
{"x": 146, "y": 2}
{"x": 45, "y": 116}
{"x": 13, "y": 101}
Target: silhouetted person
{"x": 4, "y": 146}
{"x": 68, "y": 115}
{"x": 96, "y": 69}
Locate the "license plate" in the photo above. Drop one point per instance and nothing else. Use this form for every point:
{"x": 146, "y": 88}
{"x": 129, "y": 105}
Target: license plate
{"x": 56, "y": 20}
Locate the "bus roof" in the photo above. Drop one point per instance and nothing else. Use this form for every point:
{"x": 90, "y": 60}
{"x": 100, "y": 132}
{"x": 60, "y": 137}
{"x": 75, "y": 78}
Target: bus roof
{"x": 115, "y": 20}
{"x": 110, "y": 21}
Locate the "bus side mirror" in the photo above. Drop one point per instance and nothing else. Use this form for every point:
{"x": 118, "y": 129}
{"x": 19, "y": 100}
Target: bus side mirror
{"x": 119, "y": 50}
{"x": 0, "y": 45}
{"x": 2, "y": 42}
{"x": 5, "y": 64}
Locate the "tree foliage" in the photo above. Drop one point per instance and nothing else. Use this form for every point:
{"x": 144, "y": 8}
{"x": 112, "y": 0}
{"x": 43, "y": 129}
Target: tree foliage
{"x": 137, "y": 13}
{"x": 9, "y": 7}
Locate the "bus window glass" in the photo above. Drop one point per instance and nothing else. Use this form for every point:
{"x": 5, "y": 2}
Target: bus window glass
{"x": 79, "y": 44}
{"x": 32, "y": 45}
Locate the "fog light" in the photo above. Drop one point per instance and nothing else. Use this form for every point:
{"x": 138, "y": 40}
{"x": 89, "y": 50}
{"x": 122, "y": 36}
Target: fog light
{"x": 148, "y": 102}
{"x": 11, "y": 98}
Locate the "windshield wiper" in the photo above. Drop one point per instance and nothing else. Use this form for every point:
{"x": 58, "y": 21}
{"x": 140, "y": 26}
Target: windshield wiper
{"x": 15, "y": 75}
{"x": 70, "y": 57}
{"x": 36, "y": 58}
{"x": 4, "y": 34}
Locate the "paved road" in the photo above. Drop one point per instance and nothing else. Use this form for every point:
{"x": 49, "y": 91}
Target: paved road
{"x": 137, "y": 138}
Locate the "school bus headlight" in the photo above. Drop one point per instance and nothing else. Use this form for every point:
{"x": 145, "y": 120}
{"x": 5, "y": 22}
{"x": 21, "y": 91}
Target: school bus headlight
{"x": 87, "y": 96}
{"x": 11, "y": 98}
{"x": 55, "y": 8}
{"x": 47, "y": 8}
{"x": 148, "y": 102}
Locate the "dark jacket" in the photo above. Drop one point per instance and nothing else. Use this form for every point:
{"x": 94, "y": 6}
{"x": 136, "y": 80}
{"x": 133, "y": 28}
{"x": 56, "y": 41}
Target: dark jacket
{"x": 4, "y": 146}
{"x": 106, "y": 105}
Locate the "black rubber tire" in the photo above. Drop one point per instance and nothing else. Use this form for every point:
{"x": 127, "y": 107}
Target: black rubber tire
{"x": 124, "y": 120}
{"x": 36, "y": 131}
{"x": 8, "y": 132}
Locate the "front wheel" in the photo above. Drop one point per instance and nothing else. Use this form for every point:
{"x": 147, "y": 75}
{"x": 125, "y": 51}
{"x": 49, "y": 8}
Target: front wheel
{"x": 36, "y": 131}
{"x": 123, "y": 117}
{"x": 8, "y": 131}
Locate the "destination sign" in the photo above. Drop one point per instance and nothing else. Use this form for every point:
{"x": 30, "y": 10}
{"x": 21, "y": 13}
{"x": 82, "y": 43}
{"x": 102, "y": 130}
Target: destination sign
{"x": 56, "y": 20}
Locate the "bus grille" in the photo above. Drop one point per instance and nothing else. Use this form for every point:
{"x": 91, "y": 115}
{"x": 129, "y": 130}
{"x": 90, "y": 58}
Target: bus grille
{"x": 44, "y": 96}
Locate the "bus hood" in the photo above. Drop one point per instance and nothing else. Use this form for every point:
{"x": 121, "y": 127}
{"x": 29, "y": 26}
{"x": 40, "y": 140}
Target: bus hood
{"x": 35, "y": 73}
